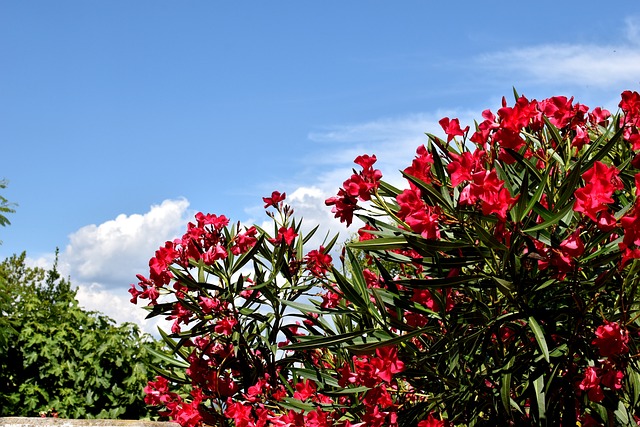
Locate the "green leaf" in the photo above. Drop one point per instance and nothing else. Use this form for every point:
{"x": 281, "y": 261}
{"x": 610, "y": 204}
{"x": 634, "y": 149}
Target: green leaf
{"x": 601, "y": 151}
{"x": 505, "y": 386}
{"x": 385, "y": 342}
{"x": 569, "y": 185}
{"x": 539, "y": 335}
{"x": 312, "y": 343}
{"x": 552, "y": 219}
{"x": 170, "y": 361}
{"x": 382, "y": 243}
{"x": 439, "y": 199}
{"x": 247, "y": 256}
{"x": 538, "y": 386}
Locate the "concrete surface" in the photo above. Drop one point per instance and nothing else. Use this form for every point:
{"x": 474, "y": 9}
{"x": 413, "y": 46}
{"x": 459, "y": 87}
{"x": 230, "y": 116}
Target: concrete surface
{"x": 59, "y": 422}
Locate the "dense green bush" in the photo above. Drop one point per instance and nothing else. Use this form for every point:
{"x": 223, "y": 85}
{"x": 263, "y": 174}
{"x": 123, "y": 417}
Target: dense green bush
{"x": 55, "y": 355}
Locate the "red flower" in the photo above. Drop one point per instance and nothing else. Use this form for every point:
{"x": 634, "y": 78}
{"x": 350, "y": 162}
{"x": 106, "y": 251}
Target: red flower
{"x": 490, "y": 191}
{"x": 599, "y": 116}
{"x": 318, "y": 262}
{"x": 421, "y": 218}
{"x": 431, "y": 421}
{"x": 344, "y": 206}
{"x": 387, "y": 363}
{"x": 225, "y": 326}
{"x": 594, "y": 197}
{"x": 157, "y": 392}
{"x": 564, "y": 257}
{"x": 244, "y": 241}
{"x": 330, "y": 299}
{"x": 591, "y": 384}
{"x": 241, "y": 414}
{"x": 276, "y": 197}
{"x": 452, "y": 128}
{"x": 218, "y": 222}
{"x": 420, "y": 166}
{"x": 363, "y": 233}
{"x": 463, "y": 165}
{"x": 425, "y": 222}
{"x": 187, "y": 414}
{"x": 286, "y": 235}
{"x": 159, "y": 265}
{"x": 611, "y": 340}
{"x": 612, "y": 379}
{"x": 213, "y": 254}
{"x": 630, "y": 104}
{"x": 305, "y": 390}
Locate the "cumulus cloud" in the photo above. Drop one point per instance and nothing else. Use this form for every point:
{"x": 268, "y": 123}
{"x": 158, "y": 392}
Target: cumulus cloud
{"x": 102, "y": 260}
{"x": 112, "y": 253}
{"x": 115, "y": 304}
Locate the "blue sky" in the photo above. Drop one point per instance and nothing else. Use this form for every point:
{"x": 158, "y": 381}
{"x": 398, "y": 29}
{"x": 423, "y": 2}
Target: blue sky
{"x": 119, "y": 120}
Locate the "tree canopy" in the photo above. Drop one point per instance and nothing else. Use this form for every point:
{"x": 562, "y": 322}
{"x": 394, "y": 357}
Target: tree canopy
{"x": 54, "y": 355}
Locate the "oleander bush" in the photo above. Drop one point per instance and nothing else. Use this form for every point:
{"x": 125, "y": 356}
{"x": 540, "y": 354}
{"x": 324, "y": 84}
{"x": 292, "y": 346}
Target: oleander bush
{"x": 500, "y": 287}
{"x": 58, "y": 359}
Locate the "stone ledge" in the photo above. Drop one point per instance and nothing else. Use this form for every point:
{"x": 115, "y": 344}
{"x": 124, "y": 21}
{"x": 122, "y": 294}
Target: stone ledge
{"x": 60, "y": 422}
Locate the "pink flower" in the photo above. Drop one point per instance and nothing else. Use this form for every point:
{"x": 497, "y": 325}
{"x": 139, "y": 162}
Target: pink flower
{"x": 387, "y": 363}
{"x": 611, "y": 340}
{"x": 594, "y": 197}
{"x": 285, "y": 235}
{"x": 276, "y": 197}
{"x": 431, "y": 421}
{"x": 225, "y": 326}
{"x": 305, "y": 390}
{"x": 452, "y": 128}
{"x": 591, "y": 384}
{"x": 318, "y": 262}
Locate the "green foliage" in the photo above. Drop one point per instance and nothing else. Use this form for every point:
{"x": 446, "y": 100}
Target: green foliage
{"x": 512, "y": 331}
{"x": 500, "y": 288}
{"x": 5, "y": 206}
{"x": 56, "y": 355}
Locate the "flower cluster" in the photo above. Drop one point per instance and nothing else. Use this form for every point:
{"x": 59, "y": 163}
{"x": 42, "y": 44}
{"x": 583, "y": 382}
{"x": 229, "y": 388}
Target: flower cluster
{"x": 531, "y": 216}
{"x": 358, "y": 187}
{"x": 498, "y": 288}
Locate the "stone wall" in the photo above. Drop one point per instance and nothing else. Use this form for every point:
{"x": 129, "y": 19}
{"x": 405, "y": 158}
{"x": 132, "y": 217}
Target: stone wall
{"x": 59, "y": 422}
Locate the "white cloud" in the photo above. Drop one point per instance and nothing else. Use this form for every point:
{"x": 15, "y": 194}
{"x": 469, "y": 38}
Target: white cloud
{"x": 308, "y": 204}
{"x": 113, "y": 252}
{"x": 103, "y": 260}
{"x": 116, "y": 305}
{"x": 603, "y": 66}
{"x": 393, "y": 140}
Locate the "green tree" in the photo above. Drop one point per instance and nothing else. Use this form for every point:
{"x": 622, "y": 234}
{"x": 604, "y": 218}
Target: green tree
{"x": 5, "y": 206}
{"x": 56, "y": 355}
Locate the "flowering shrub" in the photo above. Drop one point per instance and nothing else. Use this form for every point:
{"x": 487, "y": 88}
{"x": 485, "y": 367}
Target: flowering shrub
{"x": 499, "y": 288}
